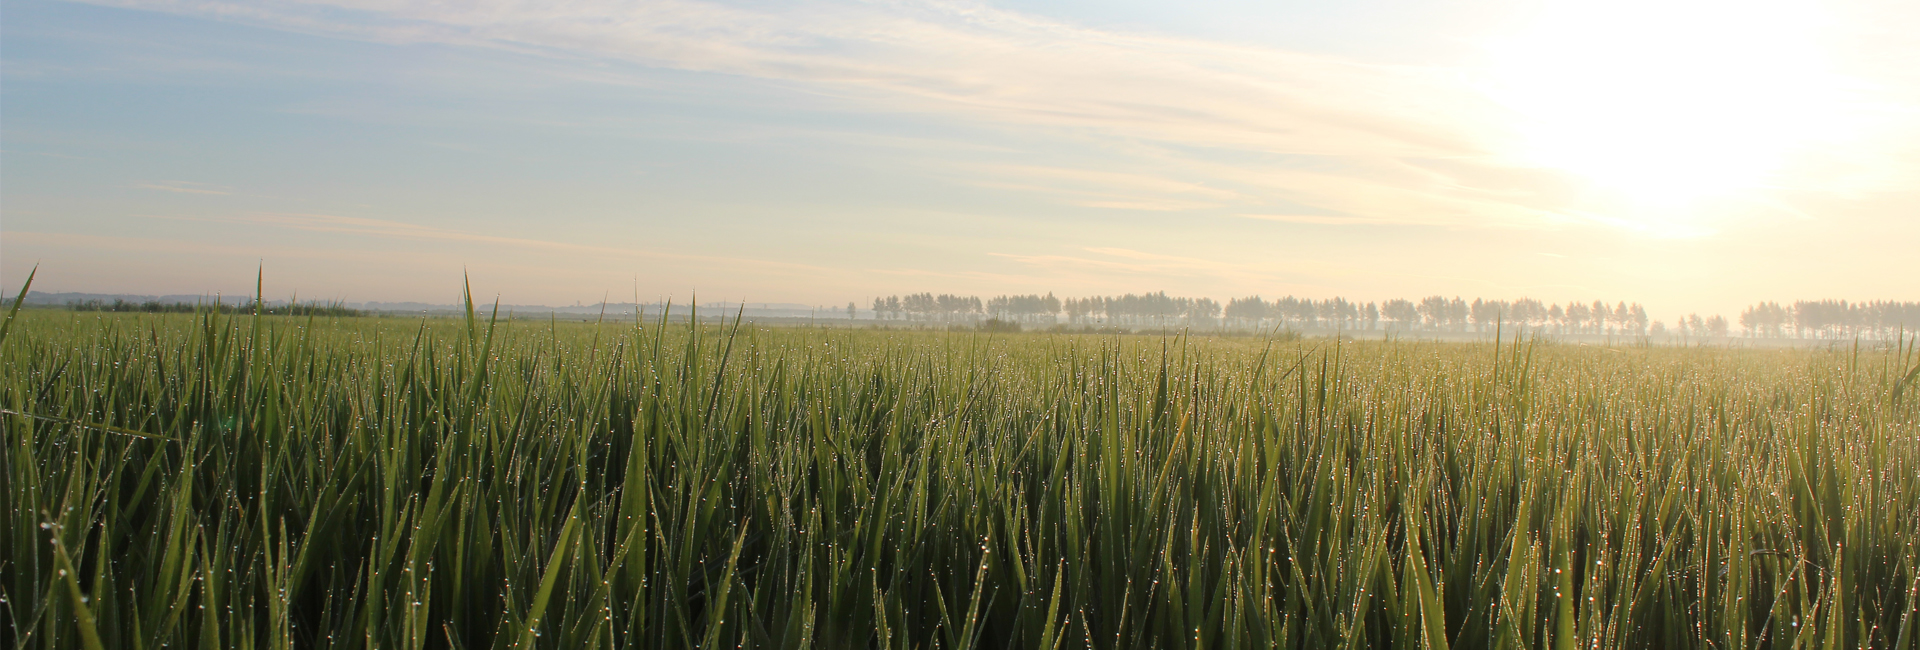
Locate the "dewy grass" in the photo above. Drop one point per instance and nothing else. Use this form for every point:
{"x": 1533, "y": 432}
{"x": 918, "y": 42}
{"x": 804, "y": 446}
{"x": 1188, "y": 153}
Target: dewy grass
{"x": 374, "y": 483}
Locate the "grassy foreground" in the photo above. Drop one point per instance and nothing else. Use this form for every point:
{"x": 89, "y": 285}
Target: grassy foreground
{"x": 201, "y": 480}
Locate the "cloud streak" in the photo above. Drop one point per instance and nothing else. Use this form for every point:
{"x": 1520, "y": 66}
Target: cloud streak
{"x": 397, "y": 230}
{"x": 987, "y": 66}
{"x": 183, "y": 187}
{"x": 1363, "y": 143}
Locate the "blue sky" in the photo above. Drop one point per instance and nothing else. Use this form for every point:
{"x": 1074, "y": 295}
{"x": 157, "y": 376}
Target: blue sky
{"x": 1692, "y": 156}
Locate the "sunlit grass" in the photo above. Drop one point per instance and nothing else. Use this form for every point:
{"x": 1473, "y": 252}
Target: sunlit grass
{"x": 304, "y": 482}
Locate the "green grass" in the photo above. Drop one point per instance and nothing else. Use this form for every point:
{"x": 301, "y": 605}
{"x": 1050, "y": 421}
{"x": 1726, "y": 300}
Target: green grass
{"x": 203, "y": 480}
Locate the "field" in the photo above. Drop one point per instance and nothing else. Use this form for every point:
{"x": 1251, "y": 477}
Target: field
{"x": 231, "y": 480}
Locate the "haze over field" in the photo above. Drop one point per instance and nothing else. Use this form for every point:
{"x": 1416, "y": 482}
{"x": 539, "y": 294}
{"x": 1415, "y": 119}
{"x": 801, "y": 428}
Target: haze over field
{"x": 1692, "y": 156}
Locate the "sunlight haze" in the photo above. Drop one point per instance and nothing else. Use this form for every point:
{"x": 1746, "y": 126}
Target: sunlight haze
{"x": 1693, "y": 156}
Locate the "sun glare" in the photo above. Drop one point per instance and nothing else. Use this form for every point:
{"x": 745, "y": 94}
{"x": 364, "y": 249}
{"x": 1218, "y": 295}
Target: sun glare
{"x": 1668, "y": 102}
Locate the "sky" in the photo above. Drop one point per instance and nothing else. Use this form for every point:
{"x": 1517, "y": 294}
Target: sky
{"x": 1691, "y": 155}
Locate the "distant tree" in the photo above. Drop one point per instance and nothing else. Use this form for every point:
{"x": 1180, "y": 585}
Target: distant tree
{"x": 1095, "y": 308}
{"x": 1826, "y": 319}
{"x": 1808, "y": 319}
{"x": 1576, "y": 317}
{"x": 919, "y": 306}
{"x": 1295, "y": 311}
{"x": 1433, "y": 310}
{"x": 1402, "y": 312}
{"x": 1485, "y": 314}
{"x": 851, "y": 311}
{"x": 1835, "y": 318}
{"x": 1158, "y": 308}
{"x": 1888, "y": 319}
{"x": 1457, "y": 314}
{"x": 1076, "y": 309}
{"x": 1033, "y": 308}
{"x": 1203, "y": 311}
{"x": 1349, "y": 312}
{"x": 1765, "y": 319}
{"x": 1503, "y": 318}
{"x": 1338, "y": 312}
{"x": 1248, "y": 311}
{"x": 1832, "y": 319}
{"x": 1527, "y": 313}
{"x": 953, "y": 307}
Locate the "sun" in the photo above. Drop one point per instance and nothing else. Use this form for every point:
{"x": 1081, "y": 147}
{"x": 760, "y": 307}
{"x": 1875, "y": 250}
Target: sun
{"x": 1668, "y": 102}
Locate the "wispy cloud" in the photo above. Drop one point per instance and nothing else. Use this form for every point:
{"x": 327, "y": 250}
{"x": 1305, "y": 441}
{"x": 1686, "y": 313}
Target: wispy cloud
{"x": 47, "y": 154}
{"x": 184, "y": 187}
{"x": 146, "y": 246}
{"x": 973, "y": 62}
{"x": 1095, "y": 188}
{"x": 1105, "y": 263}
{"x": 1319, "y": 219}
{"x": 1109, "y": 180}
{"x": 1373, "y": 143}
{"x": 388, "y": 229}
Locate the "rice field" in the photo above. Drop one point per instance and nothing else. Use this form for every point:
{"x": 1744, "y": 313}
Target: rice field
{"x": 244, "y": 481}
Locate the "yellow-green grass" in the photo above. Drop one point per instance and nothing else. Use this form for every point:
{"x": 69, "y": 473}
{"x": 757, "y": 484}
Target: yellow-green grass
{"x": 221, "y": 480}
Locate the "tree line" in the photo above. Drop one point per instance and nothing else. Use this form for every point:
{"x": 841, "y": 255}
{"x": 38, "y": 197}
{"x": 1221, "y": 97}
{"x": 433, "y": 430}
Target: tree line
{"x": 1831, "y": 319}
{"x": 1442, "y": 314}
{"x": 1802, "y": 319}
{"x": 1150, "y": 309}
{"x": 1157, "y": 309}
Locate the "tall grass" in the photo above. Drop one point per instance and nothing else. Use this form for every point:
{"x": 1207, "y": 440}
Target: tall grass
{"x": 237, "y": 480}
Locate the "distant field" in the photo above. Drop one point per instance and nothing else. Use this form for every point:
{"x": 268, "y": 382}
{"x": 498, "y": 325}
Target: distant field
{"x": 200, "y": 480}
